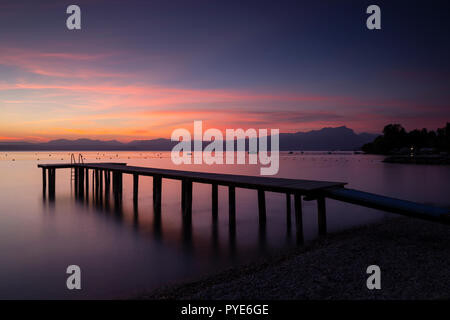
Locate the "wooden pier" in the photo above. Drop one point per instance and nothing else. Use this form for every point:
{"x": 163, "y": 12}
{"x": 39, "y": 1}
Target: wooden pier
{"x": 308, "y": 189}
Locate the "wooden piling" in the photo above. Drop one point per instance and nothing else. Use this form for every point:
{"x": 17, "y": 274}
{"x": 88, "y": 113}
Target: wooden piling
{"x": 44, "y": 181}
{"x": 298, "y": 218}
{"x": 117, "y": 182}
{"x": 51, "y": 183}
{"x": 93, "y": 182}
{"x": 114, "y": 182}
{"x": 49, "y": 177}
{"x": 87, "y": 183}
{"x": 120, "y": 175}
{"x": 107, "y": 182}
{"x": 232, "y": 218}
{"x": 97, "y": 182}
{"x": 157, "y": 185}
{"x": 107, "y": 178}
{"x": 101, "y": 180}
{"x": 81, "y": 182}
{"x": 262, "y": 206}
{"x": 76, "y": 181}
{"x": 322, "y": 216}
{"x": 183, "y": 194}
{"x": 288, "y": 212}
{"x": 187, "y": 211}
{"x": 215, "y": 200}
{"x": 135, "y": 188}
{"x": 232, "y": 205}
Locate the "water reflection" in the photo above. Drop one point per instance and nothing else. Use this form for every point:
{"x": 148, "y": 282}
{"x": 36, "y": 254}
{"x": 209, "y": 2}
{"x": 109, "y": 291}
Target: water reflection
{"x": 124, "y": 249}
{"x": 157, "y": 225}
{"x": 97, "y": 194}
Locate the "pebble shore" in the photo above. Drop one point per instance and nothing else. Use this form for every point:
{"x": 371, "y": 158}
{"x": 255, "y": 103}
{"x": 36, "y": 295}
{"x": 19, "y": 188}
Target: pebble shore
{"x": 414, "y": 257}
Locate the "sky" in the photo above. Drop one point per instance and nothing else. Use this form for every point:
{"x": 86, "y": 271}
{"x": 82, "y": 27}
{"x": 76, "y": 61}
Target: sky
{"x": 140, "y": 69}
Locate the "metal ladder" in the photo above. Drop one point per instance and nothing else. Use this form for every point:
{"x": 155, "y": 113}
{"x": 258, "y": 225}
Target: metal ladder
{"x": 73, "y": 161}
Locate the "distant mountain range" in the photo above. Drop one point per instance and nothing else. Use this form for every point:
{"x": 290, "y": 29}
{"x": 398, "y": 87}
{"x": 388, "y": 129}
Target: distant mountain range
{"x": 330, "y": 139}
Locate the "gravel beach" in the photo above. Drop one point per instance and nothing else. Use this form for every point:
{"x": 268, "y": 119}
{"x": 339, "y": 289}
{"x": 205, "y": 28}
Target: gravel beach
{"x": 414, "y": 257}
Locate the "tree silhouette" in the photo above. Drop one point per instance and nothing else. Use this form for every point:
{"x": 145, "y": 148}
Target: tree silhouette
{"x": 395, "y": 138}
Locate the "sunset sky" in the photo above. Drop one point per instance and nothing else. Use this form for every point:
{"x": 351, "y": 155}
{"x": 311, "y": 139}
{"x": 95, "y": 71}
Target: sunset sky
{"x": 139, "y": 69}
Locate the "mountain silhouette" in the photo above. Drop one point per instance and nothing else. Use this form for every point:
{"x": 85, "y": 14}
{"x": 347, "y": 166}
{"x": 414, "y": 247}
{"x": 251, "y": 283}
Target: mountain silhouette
{"x": 339, "y": 138}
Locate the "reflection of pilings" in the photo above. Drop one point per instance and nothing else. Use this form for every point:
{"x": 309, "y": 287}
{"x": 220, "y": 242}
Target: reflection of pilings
{"x": 93, "y": 184}
{"x": 117, "y": 186}
{"x": 262, "y": 236}
{"x": 232, "y": 238}
{"x": 76, "y": 182}
{"x": 97, "y": 183}
{"x": 107, "y": 189}
{"x": 101, "y": 176}
{"x": 107, "y": 182}
{"x": 186, "y": 204}
{"x": 157, "y": 225}
{"x": 215, "y": 216}
{"x": 215, "y": 234}
{"x": 100, "y": 173}
{"x": 322, "y": 216}
{"x": 298, "y": 218}
{"x": 75, "y": 179}
{"x": 118, "y": 208}
{"x": 98, "y": 197}
{"x": 135, "y": 218}
{"x": 114, "y": 183}
{"x": 187, "y": 232}
{"x": 81, "y": 183}
{"x": 183, "y": 195}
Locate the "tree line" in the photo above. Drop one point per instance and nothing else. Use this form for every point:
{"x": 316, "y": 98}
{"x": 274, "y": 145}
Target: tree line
{"x": 395, "y": 138}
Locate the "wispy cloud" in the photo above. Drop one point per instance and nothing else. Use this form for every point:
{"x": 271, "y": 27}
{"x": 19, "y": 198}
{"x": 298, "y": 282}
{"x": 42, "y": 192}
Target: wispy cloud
{"x": 80, "y": 94}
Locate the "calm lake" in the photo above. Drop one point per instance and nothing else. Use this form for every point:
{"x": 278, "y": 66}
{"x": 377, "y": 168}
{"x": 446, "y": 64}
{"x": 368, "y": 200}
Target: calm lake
{"x": 123, "y": 252}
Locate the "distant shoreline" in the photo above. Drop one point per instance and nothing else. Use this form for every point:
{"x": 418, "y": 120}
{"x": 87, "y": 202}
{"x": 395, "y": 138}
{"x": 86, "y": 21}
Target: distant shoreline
{"x": 419, "y": 159}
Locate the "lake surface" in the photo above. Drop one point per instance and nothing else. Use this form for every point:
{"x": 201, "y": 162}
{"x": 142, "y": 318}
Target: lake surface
{"x": 123, "y": 251}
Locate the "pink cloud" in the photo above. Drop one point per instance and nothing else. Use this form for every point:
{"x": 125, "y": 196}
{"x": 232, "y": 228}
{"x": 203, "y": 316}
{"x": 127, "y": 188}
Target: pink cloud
{"x": 79, "y": 98}
{"x": 56, "y": 64}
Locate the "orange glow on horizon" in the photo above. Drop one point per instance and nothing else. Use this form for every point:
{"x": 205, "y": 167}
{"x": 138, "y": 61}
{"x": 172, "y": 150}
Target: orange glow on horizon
{"x": 70, "y": 95}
